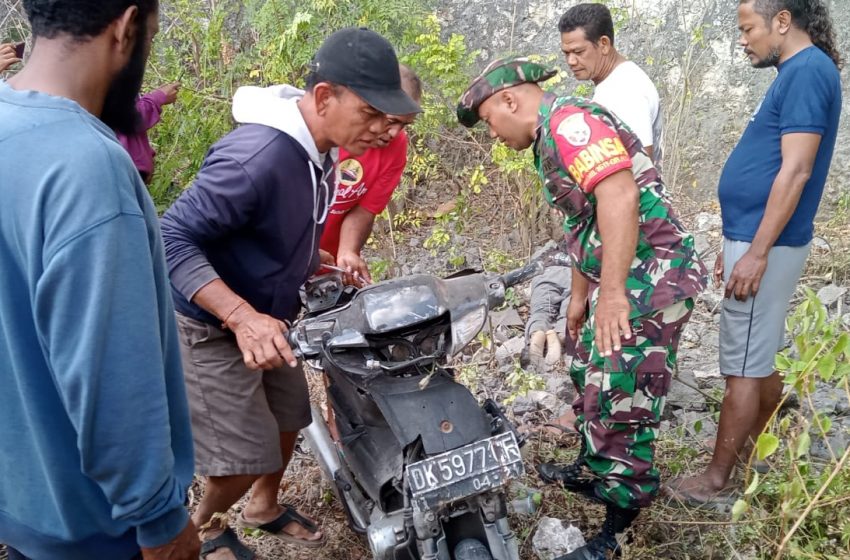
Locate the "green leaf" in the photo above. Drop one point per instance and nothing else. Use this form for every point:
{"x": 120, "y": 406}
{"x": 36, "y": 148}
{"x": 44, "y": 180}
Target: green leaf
{"x": 740, "y": 508}
{"x": 537, "y": 498}
{"x": 842, "y": 344}
{"x": 803, "y": 444}
{"x": 809, "y": 354}
{"x": 697, "y": 427}
{"x": 826, "y": 367}
{"x": 753, "y": 485}
{"x": 767, "y": 445}
{"x": 824, "y": 421}
{"x": 782, "y": 363}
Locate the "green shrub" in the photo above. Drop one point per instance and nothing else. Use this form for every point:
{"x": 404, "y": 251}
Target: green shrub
{"x": 212, "y": 49}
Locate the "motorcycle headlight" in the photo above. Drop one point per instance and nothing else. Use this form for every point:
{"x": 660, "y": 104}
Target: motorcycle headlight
{"x": 466, "y": 327}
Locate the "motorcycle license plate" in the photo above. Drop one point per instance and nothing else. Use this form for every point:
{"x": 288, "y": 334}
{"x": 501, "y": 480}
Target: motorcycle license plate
{"x": 465, "y": 471}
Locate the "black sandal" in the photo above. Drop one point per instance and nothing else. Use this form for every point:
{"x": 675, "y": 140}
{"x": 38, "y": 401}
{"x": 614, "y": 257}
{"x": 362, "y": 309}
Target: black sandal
{"x": 275, "y": 528}
{"x": 230, "y": 541}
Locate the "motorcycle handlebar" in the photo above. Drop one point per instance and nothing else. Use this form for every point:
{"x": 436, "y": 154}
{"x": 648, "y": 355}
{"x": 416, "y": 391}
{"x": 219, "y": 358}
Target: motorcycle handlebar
{"x": 520, "y": 275}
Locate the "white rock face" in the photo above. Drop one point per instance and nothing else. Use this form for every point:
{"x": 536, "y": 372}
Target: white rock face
{"x": 689, "y": 49}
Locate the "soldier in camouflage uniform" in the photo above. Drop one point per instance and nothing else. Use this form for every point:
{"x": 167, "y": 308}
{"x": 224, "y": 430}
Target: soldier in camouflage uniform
{"x": 629, "y": 306}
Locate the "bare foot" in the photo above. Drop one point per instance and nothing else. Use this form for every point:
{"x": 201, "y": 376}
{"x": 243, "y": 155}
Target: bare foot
{"x": 700, "y": 488}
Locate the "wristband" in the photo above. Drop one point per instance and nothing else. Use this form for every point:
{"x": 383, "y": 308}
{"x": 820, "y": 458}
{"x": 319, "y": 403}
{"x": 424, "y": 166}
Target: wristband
{"x": 232, "y": 311}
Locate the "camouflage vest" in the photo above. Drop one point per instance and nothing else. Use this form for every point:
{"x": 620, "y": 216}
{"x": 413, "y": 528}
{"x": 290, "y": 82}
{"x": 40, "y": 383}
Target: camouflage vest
{"x": 666, "y": 268}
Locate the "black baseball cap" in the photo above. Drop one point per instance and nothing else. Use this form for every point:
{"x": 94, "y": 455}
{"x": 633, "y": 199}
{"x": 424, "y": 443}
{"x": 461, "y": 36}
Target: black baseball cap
{"x": 364, "y": 62}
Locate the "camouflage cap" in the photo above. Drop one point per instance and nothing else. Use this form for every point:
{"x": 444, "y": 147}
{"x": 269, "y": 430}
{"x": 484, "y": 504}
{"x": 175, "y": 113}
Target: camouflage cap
{"x": 499, "y": 74}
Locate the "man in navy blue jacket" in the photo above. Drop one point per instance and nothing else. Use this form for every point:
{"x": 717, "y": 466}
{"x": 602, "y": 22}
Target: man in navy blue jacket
{"x": 240, "y": 242}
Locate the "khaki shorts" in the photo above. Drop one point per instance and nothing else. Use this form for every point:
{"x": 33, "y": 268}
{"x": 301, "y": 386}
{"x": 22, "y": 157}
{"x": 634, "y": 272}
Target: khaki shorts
{"x": 237, "y": 413}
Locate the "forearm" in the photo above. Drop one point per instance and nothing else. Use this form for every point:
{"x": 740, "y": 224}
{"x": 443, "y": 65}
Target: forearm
{"x": 150, "y": 108}
{"x": 219, "y": 300}
{"x": 580, "y": 286}
{"x": 781, "y": 204}
{"x": 355, "y": 231}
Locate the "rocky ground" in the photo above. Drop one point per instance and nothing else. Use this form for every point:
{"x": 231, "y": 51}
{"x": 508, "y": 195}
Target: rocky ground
{"x": 690, "y": 420}
{"x": 664, "y": 531}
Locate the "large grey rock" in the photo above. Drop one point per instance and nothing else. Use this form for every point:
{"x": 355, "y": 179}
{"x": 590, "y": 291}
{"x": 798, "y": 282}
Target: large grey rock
{"x": 706, "y": 222}
{"x": 830, "y": 399}
{"x": 534, "y": 401}
{"x": 506, "y": 318}
{"x": 509, "y": 351}
{"x": 543, "y": 400}
{"x": 707, "y": 233}
{"x": 698, "y": 424}
{"x": 829, "y": 295}
{"x": 553, "y": 539}
{"x": 559, "y": 385}
{"x": 682, "y": 393}
{"x": 711, "y": 373}
{"x": 523, "y": 405}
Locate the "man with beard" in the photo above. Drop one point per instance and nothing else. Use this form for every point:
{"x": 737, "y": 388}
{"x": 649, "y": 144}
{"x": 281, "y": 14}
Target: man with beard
{"x": 240, "y": 242}
{"x": 769, "y": 194}
{"x": 96, "y": 449}
{"x": 629, "y": 303}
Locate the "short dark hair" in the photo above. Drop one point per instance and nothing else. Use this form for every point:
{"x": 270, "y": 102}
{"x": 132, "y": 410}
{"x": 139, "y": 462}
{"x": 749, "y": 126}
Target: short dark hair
{"x": 81, "y": 19}
{"x": 594, "y": 19}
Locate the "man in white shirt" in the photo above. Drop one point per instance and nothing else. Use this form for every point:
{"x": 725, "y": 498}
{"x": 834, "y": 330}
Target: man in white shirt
{"x": 587, "y": 41}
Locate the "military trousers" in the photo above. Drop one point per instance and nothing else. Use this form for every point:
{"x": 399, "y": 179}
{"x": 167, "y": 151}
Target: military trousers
{"x": 620, "y": 401}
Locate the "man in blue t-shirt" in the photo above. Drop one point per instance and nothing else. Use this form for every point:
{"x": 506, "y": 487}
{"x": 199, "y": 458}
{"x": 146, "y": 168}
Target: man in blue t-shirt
{"x": 769, "y": 193}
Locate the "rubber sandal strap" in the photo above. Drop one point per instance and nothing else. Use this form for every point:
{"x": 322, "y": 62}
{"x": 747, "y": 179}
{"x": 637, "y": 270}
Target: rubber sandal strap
{"x": 230, "y": 541}
{"x": 288, "y": 516}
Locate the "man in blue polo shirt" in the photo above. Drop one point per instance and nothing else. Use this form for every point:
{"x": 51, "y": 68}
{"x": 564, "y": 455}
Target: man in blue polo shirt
{"x": 769, "y": 193}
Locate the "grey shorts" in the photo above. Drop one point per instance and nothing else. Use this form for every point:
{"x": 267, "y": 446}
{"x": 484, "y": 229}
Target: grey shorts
{"x": 753, "y": 331}
{"x": 237, "y": 413}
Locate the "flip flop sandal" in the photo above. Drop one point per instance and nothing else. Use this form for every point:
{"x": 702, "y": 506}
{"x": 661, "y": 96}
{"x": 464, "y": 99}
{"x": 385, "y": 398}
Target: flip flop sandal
{"x": 721, "y": 501}
{"x": 230, "y": 541}
{"x": 275, "y": 527}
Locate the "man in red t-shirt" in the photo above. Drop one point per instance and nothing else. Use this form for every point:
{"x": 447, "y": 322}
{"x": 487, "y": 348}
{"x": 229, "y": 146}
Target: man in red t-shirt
{"x": 365, "y": 187}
